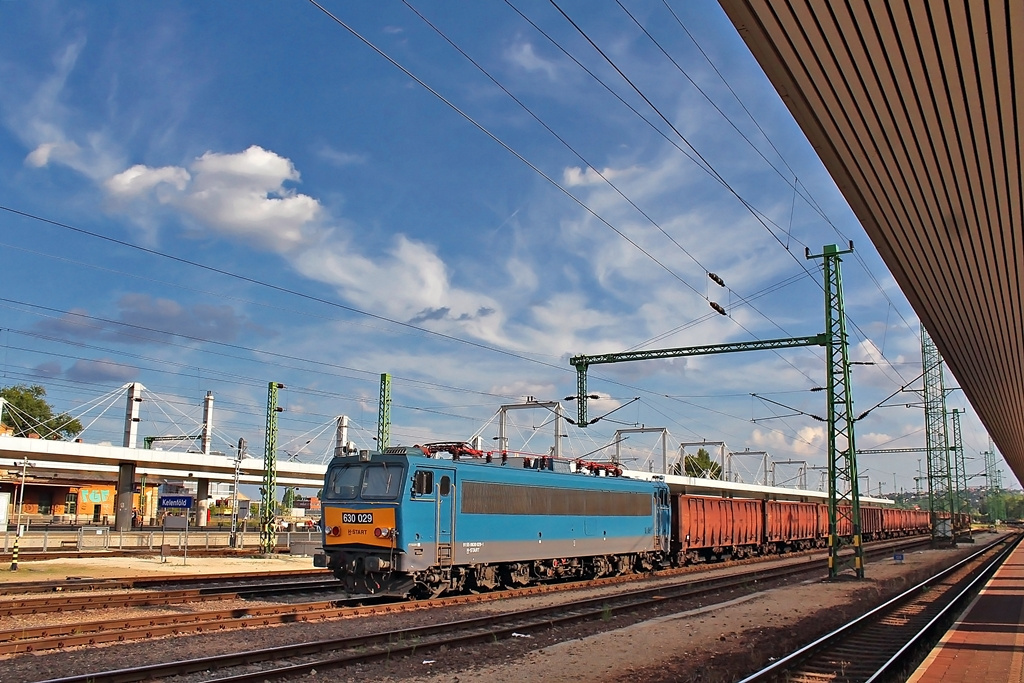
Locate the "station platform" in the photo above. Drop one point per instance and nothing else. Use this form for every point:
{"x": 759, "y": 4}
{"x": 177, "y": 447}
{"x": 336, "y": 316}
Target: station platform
{"x": 987, "y": 642}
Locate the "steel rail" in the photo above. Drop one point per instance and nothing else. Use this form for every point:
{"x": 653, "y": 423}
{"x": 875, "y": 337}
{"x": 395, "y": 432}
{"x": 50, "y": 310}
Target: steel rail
{"x": 73, "y": 583}
{"x": 58, "y": 637}
{"x": 785, "y": 668}
{"x": 926, "y": 632}
{"x": 48, "y": 637}
{"x": 78, "y": 603}
{"x": 485, "y": 628}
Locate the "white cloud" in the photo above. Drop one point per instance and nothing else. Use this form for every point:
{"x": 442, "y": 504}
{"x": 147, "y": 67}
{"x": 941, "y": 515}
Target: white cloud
{"x": 523, "y": 56}
{"x": 574, "y": 176}
{"x": 810, "y": 442}
{"x": 409, "y": 282}
{"x": 140, "y": 179}
{"x": 339, "y": 158}
{"x": 40, "y": 118}
{"x": 240, "y": 195}
{"x": 254, "y": 169}
{"x": 58, "y": 151}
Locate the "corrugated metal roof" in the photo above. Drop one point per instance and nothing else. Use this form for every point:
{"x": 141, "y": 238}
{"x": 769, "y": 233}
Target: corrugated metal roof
{"x": 915, "y": 109}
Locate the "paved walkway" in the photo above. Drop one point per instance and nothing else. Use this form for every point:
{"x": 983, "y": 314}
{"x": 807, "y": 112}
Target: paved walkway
{"x": 987, "y": 644}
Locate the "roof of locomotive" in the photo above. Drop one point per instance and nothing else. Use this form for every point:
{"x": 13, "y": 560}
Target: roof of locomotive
{"x": 461, "y": 454}
{"x": 507, "y": 467}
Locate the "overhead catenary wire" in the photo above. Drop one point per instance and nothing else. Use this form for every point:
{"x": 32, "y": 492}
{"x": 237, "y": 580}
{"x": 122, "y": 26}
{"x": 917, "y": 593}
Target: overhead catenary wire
{"x": 806, "y": 196}
{"x": 700, "y": 160}
{"x": 563, "y": 141}
{"x": 575, "y": 152}
{"x": 486, "y": 131}
{"x": 277, "y": 288}
{"x": 548, "y": 178}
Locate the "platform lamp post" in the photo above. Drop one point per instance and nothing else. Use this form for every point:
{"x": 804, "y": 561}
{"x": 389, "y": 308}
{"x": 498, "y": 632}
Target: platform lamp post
{"x": 21, "y": 502}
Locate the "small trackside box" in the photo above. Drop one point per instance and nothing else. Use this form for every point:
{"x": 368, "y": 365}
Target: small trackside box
{"x": 320, "y": 560}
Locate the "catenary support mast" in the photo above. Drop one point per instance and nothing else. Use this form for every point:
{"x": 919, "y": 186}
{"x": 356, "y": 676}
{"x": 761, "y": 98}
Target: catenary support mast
{"x": 843, "y": 487}
{"x": 844, "y": 496}
{"x": 940, "y": 480}
{"x": 961, "y": 520}
{"x": 384, "y": 414}
{"x": 268, "y": 532}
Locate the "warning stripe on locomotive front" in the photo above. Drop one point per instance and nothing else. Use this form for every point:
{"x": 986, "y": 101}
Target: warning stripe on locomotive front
{"x": 374, "y": 527}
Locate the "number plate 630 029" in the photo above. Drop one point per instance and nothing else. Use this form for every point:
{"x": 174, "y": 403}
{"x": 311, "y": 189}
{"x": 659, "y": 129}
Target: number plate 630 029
{"x": 357, "y": 518}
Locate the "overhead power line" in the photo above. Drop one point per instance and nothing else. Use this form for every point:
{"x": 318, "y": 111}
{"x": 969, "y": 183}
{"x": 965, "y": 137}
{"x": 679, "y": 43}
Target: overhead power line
{"x": 277, "y": 288}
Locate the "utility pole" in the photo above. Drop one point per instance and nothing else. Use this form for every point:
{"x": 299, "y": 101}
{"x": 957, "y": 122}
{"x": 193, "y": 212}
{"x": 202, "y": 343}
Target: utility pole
{"x": 962, "y": 519}
{"x": 21, "y": 502}
{"x": 234, "y": 493}
{"x": 268, "y": 530}
{"x": 994, "y": 501}
{"x": 384, "y": 414}
{"x": 843, "y": 485}
{"x": 940, "y": 480}
{"x": 844, "y": 498}
{"x": 823, "y": 478}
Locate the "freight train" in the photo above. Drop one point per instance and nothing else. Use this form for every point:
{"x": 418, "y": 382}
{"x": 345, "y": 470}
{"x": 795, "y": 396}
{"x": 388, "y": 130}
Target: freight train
{"x": 407, "y": 522}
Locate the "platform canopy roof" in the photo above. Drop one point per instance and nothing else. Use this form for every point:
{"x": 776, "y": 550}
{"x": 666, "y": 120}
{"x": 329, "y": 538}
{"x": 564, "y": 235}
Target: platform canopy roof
{"x": 915, "y": 108}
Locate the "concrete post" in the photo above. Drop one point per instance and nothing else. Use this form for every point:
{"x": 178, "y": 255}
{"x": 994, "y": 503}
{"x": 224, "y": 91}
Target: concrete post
{"x": 125, "y": 492}
{"x": 131, "y": 417}
{"x": 202, "y": 501}
{"x": 341, "y": 436}
{"x": 207, "y": 422}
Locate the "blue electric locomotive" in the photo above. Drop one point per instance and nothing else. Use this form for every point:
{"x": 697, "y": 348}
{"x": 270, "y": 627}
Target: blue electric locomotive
{"x": 406, "y": 522}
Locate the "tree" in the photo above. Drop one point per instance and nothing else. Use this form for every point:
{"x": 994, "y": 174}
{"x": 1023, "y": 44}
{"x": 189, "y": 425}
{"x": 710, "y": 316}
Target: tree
{"x": 28, "y": 412}
{"x": 288, "y": 500}
{"x": 701, "y": 465}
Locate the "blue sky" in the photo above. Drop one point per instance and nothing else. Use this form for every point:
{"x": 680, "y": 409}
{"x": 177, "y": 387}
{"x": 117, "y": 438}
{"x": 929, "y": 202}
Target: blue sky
{"x": 252, "y": 193}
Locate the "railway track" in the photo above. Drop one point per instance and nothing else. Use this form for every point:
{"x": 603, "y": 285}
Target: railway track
{"x": 55, "y": 554}
{"x": 882, "y": 644}
{"x": 82, "y": 583}
{"x": 213, "y": 593}
{"x": 344, "y": 651}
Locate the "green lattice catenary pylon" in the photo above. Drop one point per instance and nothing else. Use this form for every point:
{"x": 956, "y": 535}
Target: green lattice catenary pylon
{"x": 268, "y": 530}
{"x": 941, "y": 493}
{"x": 384, "y": 414}
{"x": 844, "y": 496}
{"x": 843, "y": 489}
{"x": 962, "y": 520}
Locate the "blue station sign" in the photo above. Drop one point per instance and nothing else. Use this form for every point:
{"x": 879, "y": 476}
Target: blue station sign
{"x": 178, "y": 501}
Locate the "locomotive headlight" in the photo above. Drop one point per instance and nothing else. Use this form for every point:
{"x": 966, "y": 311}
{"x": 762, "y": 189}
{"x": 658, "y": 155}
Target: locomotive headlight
{"x": 335, "y": 531}
{"x": 382, "y": 532}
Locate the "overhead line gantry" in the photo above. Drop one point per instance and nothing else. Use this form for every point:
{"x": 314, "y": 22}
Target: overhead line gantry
{"x": 844, "y": 496}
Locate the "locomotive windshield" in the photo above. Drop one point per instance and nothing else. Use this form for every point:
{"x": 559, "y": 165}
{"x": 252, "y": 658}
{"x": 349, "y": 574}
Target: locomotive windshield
{"x": 366, "y": 482}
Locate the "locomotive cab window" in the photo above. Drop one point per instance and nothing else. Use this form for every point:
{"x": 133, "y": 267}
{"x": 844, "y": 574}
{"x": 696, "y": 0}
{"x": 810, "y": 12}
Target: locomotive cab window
{"x": 381, "y": 482}
{"x": 373, "y": 482}
{"x": 445, "y": 486}
{"x": 423, "y": 483}
{"x": 344, "y": 483}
